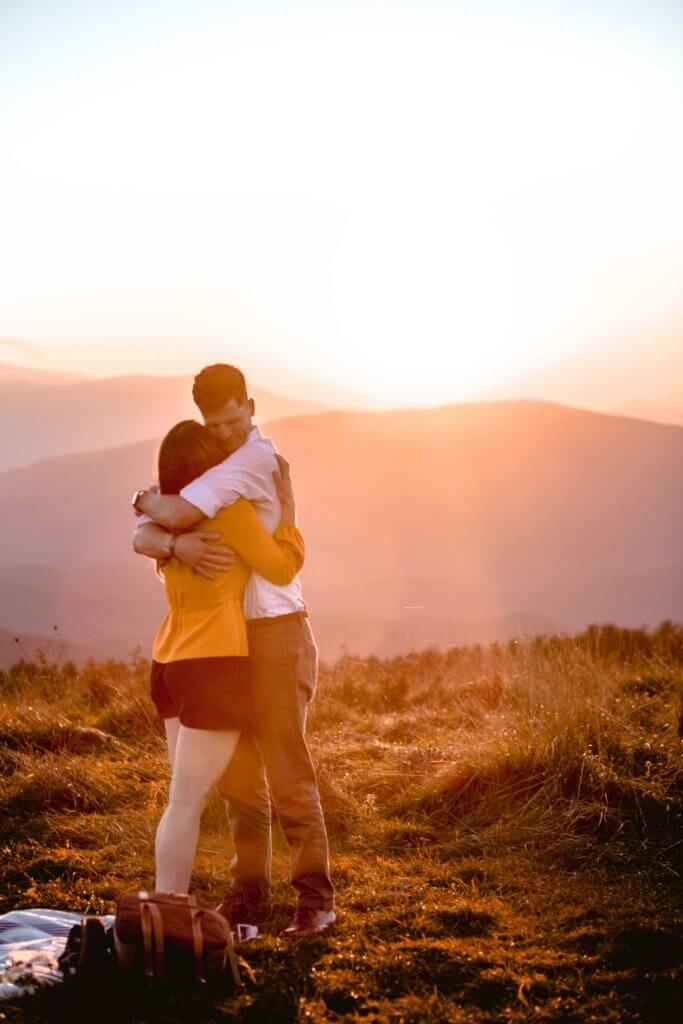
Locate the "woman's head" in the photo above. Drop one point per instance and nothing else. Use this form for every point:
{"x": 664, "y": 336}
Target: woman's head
{"x": 187, "y": 451}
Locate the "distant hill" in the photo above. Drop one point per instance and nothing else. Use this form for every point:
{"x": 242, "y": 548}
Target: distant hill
{"x": 665, "y": 411}
{"x": 12, "y": 375}
{"x": 88, "y": 415}
{"x": 604, "y": 374}
{"x": 423, "y": 526}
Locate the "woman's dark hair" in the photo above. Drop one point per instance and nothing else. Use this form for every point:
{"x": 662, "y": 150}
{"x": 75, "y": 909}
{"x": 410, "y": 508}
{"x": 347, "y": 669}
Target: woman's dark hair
{"x": 187, "y": 451}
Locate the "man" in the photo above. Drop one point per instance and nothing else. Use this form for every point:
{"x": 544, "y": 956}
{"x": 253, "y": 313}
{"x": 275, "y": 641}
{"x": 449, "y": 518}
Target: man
{"x": 282, "y": 659}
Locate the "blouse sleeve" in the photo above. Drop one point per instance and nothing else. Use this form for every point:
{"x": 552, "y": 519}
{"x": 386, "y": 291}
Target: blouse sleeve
{"x": 278, "y": 558}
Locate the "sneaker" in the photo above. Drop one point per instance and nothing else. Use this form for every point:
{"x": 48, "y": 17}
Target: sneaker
{"x": 308, "y": 921}
{"x": 238, "y": 909}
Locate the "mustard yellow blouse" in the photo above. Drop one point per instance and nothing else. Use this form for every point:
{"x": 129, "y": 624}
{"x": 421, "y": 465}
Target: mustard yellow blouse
{"x": 205, "y": 619}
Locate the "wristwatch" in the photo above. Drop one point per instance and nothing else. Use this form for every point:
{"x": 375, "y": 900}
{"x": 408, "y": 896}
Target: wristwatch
{"x": 136, "y": 498}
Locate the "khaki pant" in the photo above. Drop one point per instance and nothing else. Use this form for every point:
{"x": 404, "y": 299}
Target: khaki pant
{"x": 274, "y": 760}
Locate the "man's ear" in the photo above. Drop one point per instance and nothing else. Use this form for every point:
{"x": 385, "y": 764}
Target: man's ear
{"x": 252, "y": 407}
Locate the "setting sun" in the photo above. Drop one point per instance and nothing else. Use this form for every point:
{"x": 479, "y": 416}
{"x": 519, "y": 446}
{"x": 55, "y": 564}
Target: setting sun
{"x": 373, "y": 209}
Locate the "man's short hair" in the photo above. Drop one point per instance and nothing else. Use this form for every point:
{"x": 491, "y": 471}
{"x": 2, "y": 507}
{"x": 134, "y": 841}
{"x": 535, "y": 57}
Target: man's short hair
{"x": 215, "y": 385}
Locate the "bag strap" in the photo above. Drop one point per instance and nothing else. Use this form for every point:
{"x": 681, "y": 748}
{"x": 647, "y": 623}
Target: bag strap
{"x": 198, "y": 945}
{"x": 227, "y": 935}
{"x": 153, "y": 940}
{"x": 232, "y": 955}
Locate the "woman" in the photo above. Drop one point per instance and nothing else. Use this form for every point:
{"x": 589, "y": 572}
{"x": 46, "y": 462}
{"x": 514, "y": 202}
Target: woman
{"x": 200, "y": 683}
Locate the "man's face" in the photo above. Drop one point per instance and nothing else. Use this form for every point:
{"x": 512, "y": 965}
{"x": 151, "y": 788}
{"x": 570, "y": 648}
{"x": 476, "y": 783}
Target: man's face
{"x": 230, "y": 424}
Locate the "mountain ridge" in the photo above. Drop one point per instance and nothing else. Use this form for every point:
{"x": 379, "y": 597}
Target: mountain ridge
{"x": 377, "y": 415}
{"x": 477, "y": 511}
{"x": 88, "y": 415}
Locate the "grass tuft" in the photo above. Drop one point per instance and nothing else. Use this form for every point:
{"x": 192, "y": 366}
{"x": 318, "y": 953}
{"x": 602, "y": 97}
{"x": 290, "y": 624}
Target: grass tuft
{"x": 505, "y": 830}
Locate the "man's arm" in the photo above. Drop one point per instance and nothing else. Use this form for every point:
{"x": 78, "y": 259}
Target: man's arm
{"x": 169, "y": 510}
{"x": 247, "y": 473}
{"x": 196, "y": 549}
{"x": 244, "y": 474}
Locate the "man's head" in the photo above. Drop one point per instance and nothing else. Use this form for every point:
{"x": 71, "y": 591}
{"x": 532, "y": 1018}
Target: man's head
{"x": 220, "y": 392}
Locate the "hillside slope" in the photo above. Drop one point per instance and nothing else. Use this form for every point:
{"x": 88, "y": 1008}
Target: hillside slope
{"x": 87, "y": 415}
{"x": 438, "y": 525}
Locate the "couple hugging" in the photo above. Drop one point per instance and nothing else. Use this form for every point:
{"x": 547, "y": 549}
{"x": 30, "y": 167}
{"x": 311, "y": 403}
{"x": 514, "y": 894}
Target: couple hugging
{"x": 234, "y": 663}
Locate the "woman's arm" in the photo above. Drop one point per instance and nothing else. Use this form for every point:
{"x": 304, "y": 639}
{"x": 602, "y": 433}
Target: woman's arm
{"x": 278, "y": 558}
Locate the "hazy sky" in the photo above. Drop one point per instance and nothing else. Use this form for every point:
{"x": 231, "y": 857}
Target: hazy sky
{"x": 380, "y": 202}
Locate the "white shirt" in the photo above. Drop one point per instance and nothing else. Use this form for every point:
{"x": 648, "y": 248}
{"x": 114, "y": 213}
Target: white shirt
{"x": 248, "y": 473}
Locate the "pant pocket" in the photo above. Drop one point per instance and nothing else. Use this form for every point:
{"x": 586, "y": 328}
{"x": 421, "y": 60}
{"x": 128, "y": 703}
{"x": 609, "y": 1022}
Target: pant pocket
{"x": 309, "y": 659}
{"x": 301, "y": 658}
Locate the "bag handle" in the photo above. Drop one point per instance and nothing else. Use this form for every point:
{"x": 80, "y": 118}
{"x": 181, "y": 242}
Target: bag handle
{"x": 153, "y": 940}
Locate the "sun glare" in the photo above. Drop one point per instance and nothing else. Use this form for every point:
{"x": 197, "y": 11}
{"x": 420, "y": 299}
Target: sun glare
{"x": 463, "y": 200}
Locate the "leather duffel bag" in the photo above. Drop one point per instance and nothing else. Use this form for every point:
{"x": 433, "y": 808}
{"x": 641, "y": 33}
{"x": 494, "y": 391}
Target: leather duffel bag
{"x": 170, "y": 940}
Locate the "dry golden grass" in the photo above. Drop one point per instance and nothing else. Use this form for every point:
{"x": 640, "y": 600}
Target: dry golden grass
{"x": 505, "y": 828}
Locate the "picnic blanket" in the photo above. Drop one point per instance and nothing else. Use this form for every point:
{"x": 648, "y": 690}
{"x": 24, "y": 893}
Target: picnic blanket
{"x": 30, "y": 943}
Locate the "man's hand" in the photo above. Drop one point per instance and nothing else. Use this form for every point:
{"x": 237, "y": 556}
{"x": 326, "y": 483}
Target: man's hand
{"x": 205, "y": 557}
{"x": 285, "y": 493}
{"x": 152, "y": 489}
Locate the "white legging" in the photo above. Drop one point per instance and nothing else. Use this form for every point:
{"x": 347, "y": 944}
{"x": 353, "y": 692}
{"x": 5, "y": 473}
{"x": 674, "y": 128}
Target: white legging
{"x": 198, "y": 758}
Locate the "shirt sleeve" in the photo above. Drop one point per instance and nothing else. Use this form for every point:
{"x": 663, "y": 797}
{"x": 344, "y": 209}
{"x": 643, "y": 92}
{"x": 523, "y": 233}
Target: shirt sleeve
{"x": 278, "y": 558}
{"x": 247, "y": 473}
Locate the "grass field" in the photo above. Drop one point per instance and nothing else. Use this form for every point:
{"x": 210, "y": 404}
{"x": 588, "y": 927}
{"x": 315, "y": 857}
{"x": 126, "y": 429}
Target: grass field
{"x": 505, "y": 829}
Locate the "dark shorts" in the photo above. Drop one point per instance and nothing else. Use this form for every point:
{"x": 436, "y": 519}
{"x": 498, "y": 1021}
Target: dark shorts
{"x": 204, "y": 693}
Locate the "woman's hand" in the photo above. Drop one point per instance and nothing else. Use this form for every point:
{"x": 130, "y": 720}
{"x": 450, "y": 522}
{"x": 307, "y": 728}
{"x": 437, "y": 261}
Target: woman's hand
{"x": 283, "y": 486}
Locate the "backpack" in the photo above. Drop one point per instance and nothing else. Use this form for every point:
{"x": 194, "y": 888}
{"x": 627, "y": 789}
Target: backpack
{"x": 87, "y": 953}
{"x": 168, "y": 939}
